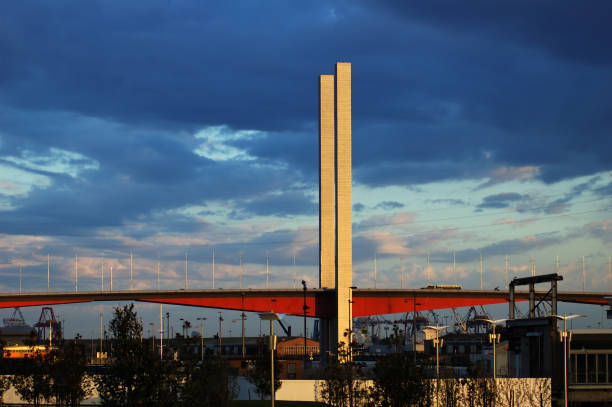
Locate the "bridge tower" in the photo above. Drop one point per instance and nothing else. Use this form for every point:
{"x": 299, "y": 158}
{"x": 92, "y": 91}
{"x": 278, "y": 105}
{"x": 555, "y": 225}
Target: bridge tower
{"x": 335, "y": 202}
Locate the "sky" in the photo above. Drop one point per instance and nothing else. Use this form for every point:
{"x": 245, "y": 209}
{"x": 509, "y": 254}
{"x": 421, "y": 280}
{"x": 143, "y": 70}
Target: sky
{"x": 169, "y": 129}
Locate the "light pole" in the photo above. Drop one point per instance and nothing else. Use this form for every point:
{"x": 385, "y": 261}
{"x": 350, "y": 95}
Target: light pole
{"x": 202, "y": 335}
{"x": 305, "y": 309}
{"x": 349, "y": 338}
{"x": 220, "y": 340}
{"x": 271, "y": 316}
{"x": 494, "y": 339}
{"x": 437, "y": 343}
{"x": 565, "y": 338}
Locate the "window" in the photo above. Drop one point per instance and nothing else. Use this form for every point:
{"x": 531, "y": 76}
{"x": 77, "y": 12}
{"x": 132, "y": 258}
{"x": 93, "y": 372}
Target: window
{"x": 580, "y": 368}
{"x": 591, "y": 369}
{"x": 601, "y": 368}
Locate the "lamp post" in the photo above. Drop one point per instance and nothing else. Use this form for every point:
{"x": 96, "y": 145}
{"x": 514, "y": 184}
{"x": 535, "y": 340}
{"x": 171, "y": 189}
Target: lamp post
{"x": 271, "y": 316}
{"x": 305, "y": 309}
{"x": 565, "y": 338}
{"x": 202, "y": 336}
{"x": 220, "y": 327}
{"x": 437, "y": 343}
{"x": 349, "y": 338}
{"x": 494, "y": 339}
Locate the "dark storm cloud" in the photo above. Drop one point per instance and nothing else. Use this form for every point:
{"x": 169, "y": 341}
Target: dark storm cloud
{"x": 275, "y": 204}
{"x": 502, "y": 200}
{"x": 438, "y": 94}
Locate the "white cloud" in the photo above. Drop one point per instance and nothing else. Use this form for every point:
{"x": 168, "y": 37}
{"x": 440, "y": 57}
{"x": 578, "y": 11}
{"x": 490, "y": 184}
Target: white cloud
{"x": 216, "y": 146}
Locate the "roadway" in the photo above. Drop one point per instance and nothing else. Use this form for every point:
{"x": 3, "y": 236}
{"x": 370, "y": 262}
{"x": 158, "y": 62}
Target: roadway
{"x": 320, "y": 302}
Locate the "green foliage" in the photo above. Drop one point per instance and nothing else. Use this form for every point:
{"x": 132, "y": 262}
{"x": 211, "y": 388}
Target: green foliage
{"x": 259, "y": 375}
{"x": 136, "y": 375}
{"x": 4, "y": 380}
{"x": 32, "y": 380}
{"x": 67, "y": 370}
{"x": 208, "y": 384}
{"x": 343, "y": 384}
{"x": 399, "y": 383}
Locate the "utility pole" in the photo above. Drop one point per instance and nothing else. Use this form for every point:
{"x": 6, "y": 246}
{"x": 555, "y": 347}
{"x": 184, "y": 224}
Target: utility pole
{"x": 220, "y": 342}
{"x": 101, "y": 333}
{"x": 161, "y": 333}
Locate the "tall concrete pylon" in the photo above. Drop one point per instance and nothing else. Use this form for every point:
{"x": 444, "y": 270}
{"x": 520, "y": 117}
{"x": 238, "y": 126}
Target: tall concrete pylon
{"x": 335, "y": 201}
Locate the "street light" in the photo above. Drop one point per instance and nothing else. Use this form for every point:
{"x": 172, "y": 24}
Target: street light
{"x": 305, "y": 309}
{"x": 219, "y": 335}
{"x": 271, "y": 316}
{"x": 494, "y": 339}
{"x": 349, "y": 338}
{"x": 437, "y": 343}
{"x": 565, "y": 338}
{"x": 202, "y": 335}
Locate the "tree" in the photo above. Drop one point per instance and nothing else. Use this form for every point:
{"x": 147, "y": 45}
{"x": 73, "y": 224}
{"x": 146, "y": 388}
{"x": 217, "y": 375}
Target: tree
{"x": 136, "y": 376}
{"x": 343, "y": 384}
{"x": 4, "y": 380}
{"x": 69, "y": 382}
{"x": 399, "y": 383}
{"x": 259, "y": 375}
{"x": 32, "y": 380}
{"x": 208, "y": 384}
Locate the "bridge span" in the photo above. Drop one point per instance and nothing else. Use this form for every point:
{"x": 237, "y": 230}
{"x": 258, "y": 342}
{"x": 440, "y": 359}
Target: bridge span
{"x": 320, "y": 302}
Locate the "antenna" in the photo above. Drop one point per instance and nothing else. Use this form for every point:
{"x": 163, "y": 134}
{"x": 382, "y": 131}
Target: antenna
{"x": 454, "y": 269}
{"x": 76, "y": 273}
{"x": 583, "y": 275}
{"x": 609, "y": 273}
{"x": 102, "y": 271}
{"x": 428, "y": 279}
{"x": 402, "y": 271}
{"x": 213, "y": 268}
{"x": 267, "y": 270}
{"x": 241, "y": 270}
{"x": 481, "y": 271}
{"x": 374, "y": 269}
{"x": 294, "y": 279}
{"x": 507, "y": 274}
{"x": 186, "y": 268}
